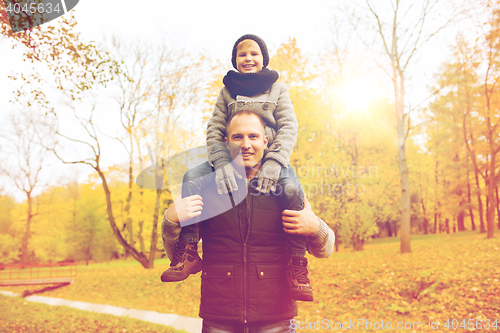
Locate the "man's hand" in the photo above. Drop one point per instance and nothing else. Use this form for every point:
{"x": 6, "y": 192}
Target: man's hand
{"x": 225, "y": 178}
{"x": 301, "y": 222}
{"x": 185, "y": 208}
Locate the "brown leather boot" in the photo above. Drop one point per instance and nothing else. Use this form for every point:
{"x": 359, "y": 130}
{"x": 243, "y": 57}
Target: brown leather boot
{"x": 300, "y": 286}
{"x": 186, "y": 261}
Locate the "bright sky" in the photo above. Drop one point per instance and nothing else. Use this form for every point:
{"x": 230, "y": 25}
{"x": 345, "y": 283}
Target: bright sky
{"x": 212, "y": 25}
{"x": 209, "y": 25}
{"x": 200, "y": 24}
{"x": 197, "y": 24}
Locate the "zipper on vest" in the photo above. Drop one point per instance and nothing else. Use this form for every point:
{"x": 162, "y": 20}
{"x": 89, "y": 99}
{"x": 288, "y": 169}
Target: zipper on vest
{"x": 245, "y": 282}
{"x": 245, "y": 253}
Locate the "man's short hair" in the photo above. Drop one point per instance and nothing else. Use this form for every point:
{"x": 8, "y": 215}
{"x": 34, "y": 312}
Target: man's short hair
{"x": 248, "y": 112}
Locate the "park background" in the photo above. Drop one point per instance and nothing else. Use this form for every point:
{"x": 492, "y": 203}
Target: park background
{"x": 398, "y": 136}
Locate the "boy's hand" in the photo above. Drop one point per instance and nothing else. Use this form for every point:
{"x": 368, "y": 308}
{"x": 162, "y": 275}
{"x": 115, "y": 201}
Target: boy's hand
{"x": 225, "y": 179}
{"x": 268, "y": 176}
{"x": 185, "y": 208}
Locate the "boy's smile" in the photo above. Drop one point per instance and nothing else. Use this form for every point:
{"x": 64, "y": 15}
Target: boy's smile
{"x": 249, "y": 57}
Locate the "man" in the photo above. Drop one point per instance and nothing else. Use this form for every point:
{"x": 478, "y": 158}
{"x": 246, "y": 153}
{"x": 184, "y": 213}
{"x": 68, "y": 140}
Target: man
{"x": 244, "y": 285}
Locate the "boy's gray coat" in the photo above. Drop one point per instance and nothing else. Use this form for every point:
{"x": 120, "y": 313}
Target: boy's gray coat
{"x": 274, "y": 106}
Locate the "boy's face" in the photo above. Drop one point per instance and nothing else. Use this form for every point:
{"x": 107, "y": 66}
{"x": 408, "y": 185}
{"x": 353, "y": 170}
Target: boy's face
{"x": 249, "y": 57}
{"x": 246, "y": 134}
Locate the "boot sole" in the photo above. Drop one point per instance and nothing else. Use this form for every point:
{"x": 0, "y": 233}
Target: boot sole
{"x": 302, "y": 296}
{"x": 195, "y": 269}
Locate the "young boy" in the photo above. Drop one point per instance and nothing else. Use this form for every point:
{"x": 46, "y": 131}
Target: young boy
{"x": 252, "y": 88}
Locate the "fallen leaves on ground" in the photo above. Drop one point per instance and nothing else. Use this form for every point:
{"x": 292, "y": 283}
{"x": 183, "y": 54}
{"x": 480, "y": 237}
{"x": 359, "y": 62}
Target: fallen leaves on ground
{"x": 19, "y": 316}
{"x": 445, "y": 277}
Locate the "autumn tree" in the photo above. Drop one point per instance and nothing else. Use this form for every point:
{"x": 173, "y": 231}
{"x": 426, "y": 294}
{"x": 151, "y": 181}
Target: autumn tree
{"x": 57, "y": 217}
{"x": 161, "y": 103}
{"x": 398, "y": 30}
{"x": 491, "y": 103}
{"x": 28, "y": 41}
{"x": 89, "y": 236}
{"x": 445, "y": 141}
{"x": 173, "y": 88}
{"x": 77, "y": 67}
{"x": 9, "y": 242}
{"x": 335, "y": 154}
{"x": 471, "y": 92}
{"x": 133, "y": 91}
{"x": 23, "y": 161}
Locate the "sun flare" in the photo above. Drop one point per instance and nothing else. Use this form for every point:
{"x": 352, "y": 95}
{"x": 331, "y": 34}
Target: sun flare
{"x": 357, "y": 94}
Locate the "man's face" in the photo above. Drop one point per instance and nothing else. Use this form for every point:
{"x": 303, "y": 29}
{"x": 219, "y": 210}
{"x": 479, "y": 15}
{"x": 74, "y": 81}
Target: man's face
{"x": 249, "y": 58}
{"x": 245, "y": 133}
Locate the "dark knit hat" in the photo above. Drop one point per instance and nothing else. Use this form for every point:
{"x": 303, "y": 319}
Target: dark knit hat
{"x": 259, "y": 41}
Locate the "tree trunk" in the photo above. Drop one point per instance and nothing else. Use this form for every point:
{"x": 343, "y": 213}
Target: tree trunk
{"x": 476, "y": 169}
{"x": 357, "y": 243}
{"x": 141, "y": 202}
{"x": 492, "y": 138}
{"x": 482, "y": 229}
{"x": 461, "y": 219}
{"x": 491, "y": 192}
{"x": 87, "y": 255}
{"x": 128, "y": 219}
{"x": 154, "y": 234}
{"x": 141, "y": 238}
{"x": 389, "y": 230}
{"x": 460, "y": 224}
{"x": 498, "y": 207}
{"x": 426, "y": 222}
{"x": 469, "y": 199}
{"x": 27, "y": 232}
{"x": 487, "y": 208}
{"x": 140, "y": 257}
{"x": 436, "y": 198}
{"x": 399, "y": 91}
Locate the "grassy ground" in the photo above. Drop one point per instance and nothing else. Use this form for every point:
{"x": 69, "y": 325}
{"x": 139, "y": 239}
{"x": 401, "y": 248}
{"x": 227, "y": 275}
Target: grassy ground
{"x": 445, "y": 277}
{"x": 18, "y": 315}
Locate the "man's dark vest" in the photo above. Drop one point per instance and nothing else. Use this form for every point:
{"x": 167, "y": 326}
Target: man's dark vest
{"x": 244, "y": 274}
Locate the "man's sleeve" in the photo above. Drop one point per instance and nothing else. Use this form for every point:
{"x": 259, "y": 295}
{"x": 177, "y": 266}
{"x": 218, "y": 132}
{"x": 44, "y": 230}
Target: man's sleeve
{"x": 320, "y": 244}
{"x": 170, "y": 232}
